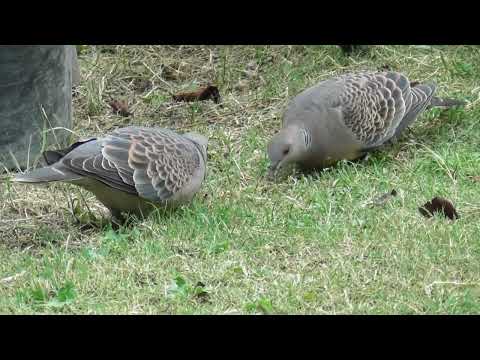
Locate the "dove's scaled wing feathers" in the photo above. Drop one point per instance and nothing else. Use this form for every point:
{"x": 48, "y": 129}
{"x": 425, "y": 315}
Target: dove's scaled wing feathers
{"x": 373, "y": 104}
{"x": 163, "y": 161}
{"x": 153, "y": 163}
{"x": 379, "y": 106}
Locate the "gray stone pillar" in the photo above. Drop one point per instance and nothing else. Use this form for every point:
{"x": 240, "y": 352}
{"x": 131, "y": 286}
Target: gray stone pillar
{"x": 35, "y": 98}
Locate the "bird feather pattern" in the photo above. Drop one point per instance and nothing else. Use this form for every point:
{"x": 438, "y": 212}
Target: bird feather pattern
{"x": 153, "y": 163}
{"x": 130, "y": 167}
{"x": 348, "y": 115}
{"x": 373, "y": 104}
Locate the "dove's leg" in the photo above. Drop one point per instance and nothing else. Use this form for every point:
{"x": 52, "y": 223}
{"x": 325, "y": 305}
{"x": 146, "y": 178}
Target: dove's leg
{"x": 117, "y": 218}
{"x": 364, "y": 157}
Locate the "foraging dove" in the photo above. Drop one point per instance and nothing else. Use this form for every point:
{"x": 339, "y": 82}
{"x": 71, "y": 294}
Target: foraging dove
{"x": 131, "y": 169}
{"x": 347, "y": 116}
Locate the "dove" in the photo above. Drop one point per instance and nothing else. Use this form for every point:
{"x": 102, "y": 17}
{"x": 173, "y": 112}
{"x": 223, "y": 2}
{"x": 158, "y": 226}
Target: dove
{"x": 131, "y": 170}
{"x": 347, "y": 116}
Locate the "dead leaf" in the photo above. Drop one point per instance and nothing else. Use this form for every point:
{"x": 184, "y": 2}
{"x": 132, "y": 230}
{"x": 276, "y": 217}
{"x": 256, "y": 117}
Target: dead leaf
{"x": 441, "y": 205}
{"x": 120, "y": 107}
{"x": 208, "y": 92}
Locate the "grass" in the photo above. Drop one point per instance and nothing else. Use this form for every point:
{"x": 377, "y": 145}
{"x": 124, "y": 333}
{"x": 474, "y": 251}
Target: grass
{"x": 308, "y": 244}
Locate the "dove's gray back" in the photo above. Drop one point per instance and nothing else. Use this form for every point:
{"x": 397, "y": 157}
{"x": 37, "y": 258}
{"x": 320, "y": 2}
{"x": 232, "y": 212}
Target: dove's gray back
{"x": 154, "y": 163}
{"x": 131, "y": 167}
{"x": 374, "y": 106}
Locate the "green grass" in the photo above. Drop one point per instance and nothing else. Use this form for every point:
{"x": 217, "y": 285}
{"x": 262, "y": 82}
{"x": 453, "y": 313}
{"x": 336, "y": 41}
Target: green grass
{"x": 307, "y": 244}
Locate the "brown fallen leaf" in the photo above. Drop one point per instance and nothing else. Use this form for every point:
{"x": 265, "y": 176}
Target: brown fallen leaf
{"x": 441, "y": 205}
{"x": 208, "y": 92}
{"x": 120, "y": 107}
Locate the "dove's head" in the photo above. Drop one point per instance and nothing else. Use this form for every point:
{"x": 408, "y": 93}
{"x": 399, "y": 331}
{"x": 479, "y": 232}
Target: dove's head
{"x": 200, "y": 140}
{"x": 287, "y": 146}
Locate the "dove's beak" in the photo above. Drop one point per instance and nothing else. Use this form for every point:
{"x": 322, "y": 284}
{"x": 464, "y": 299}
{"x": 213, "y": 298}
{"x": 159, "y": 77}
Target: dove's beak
{"x": 272, "y": 170}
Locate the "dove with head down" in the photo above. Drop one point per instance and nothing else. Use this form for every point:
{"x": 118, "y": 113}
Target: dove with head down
{"x": 347, "y": 116}
{"x": 131, "y": 170}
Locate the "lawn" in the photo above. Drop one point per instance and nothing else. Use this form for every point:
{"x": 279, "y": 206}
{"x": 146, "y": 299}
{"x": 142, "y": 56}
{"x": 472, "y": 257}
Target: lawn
{"x": 306, "y": 244}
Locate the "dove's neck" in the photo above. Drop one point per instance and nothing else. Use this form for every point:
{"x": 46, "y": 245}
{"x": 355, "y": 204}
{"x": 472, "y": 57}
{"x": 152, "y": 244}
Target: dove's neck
{"x": 300, "y": 135}
{"x": 300, "y": 140}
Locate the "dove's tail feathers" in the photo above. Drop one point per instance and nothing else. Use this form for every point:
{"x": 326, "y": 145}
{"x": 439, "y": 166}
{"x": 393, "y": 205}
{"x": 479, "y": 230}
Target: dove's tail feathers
{"x": 52, "y": 156}
{"x": 445, "y": 103}
{"x": 422, "y": 95}
{"x": 46, "y": 174}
